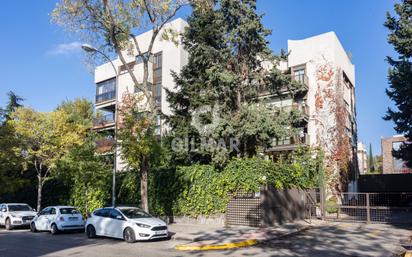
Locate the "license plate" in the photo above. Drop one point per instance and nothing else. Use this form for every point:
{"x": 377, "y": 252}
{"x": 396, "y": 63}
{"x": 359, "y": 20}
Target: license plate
{"x": 160, "y": 232}
{"x": 73, "y": 218}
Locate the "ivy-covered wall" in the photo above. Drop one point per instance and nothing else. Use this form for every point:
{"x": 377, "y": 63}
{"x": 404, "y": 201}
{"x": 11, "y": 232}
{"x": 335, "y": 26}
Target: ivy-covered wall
{"x": 203, "y": 190}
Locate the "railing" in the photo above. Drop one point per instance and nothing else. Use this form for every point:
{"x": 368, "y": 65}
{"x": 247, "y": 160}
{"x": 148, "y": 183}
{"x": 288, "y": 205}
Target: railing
{"x": 295, "y": 140}
{"x": 111, "y": 95}
{"x": 104, "y": 120}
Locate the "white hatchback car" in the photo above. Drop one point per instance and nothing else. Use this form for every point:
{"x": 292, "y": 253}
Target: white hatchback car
{"x": 58, "y": 218}
{"x": 16, "y": 215}
{"x": 128, "y": 223}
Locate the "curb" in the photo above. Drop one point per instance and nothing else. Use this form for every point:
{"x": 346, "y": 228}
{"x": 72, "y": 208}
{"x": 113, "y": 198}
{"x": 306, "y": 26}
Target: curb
{"x": 235, "y": 245}
{"x": 245, "y": 243}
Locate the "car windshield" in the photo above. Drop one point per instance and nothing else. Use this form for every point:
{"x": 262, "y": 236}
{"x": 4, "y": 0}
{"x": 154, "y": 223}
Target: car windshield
{"x": 135, "y": 213}
{"x": 20, "y": 207}
{"x": 69, "y": 211}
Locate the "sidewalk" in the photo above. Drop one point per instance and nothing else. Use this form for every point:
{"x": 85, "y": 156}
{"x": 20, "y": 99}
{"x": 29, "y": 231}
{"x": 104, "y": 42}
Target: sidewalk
{"x": 208, "y": 235}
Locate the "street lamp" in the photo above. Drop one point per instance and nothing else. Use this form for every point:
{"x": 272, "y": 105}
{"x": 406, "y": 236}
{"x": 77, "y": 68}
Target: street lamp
{"x": 90, "y": 49}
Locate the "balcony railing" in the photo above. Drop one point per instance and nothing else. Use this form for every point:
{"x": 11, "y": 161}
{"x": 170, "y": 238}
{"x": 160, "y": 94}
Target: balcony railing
{"x": 111, "y": 95}
{"x": 104, "y": 120}
{"x": 292, "y": 141}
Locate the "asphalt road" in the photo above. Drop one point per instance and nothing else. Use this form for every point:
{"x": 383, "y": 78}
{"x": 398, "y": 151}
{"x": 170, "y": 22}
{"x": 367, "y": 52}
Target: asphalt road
{"x": 331, "y": 240}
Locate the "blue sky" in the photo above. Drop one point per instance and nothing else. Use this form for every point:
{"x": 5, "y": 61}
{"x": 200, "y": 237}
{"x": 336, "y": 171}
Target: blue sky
{"x": 42, "y": 63}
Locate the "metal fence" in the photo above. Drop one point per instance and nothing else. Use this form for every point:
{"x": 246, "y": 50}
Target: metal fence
{"x": 393, "y": 208}
{"x": 278, "y": 206}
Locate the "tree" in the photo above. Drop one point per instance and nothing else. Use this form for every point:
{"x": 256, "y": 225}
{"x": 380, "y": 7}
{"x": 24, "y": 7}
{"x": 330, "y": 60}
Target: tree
{"x": 13, "y": 103}
{"x": 400, "y": 75}
{"x": 44, "y": 138}
{"x": 370, "y": 158}
{"x": 138, "y": 144}
{"x": 217, "y": 92}
{"x": 110, "y": 26}
{"x": 87, "y": 174}
{"x": 10, "y": 162}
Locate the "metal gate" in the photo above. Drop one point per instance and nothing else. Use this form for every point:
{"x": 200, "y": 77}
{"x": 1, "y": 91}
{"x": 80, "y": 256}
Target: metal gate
{"x": 393, "y": 208}
{"x": 244, "y": 209}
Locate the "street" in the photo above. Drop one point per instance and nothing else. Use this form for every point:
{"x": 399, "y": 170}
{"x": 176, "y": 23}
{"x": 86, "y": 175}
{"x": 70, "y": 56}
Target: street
{"x": 332, "y": 239}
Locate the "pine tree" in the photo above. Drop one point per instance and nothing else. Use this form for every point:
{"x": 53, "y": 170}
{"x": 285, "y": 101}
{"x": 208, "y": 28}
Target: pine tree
{"x": 371, "y": 163}
{"x": 400, "y": 75}
{"x": 218, "y": 90}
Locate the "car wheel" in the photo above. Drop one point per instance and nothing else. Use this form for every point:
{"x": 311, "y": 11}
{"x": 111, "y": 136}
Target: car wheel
{"x": 129, "y": 236}
{"x": 54, "y": 229}
{"x": 33, "y": 227}
{"x": 8, "y": 224}
{"x": 91, "y": 232}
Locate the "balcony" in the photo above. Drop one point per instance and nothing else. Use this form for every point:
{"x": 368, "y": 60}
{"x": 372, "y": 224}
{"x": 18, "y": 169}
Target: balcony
{"x": 303, "y": 108}
{"x": 104, "y": 145}
{"x": 104, "y": 121}
{"x": 289, "y": 144}
{"x": 105, "y": 97}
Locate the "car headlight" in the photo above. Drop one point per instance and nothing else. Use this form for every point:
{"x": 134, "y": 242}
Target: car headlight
{"x": 13, "y": 215}
{"x": 143, "y": 225}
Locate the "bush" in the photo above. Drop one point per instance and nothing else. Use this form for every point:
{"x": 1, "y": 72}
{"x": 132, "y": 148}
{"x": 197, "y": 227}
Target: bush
{"x": 204, "y": 190}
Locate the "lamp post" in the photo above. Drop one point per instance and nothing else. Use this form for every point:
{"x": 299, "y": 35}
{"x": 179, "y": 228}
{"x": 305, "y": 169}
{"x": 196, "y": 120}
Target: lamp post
{"x": 91, "y": 49}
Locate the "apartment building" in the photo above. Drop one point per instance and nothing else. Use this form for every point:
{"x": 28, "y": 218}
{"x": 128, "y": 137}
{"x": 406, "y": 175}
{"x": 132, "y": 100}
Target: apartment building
{"x": 327, "y": 102}
{"x": 167, "y": 57}
{"x": 319, "y": 62}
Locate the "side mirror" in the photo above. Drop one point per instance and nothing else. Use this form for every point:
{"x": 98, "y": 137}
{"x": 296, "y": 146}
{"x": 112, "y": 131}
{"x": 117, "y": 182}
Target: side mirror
{"x": 119, "y": 217}
{"x": 3, "y": 210}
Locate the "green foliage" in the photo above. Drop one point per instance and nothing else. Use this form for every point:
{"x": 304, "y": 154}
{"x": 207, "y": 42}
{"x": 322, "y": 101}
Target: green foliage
{"x": 87, "y": 177}
{"x": 128, "y": 183}
{"x": 10, "y": 161}
{"x": 203, "y": 190}
{"x": 400, "y": 75}
{"x": 227, "y": 47}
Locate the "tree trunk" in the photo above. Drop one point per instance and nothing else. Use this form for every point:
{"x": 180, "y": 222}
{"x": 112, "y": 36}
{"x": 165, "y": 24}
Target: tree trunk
{"x": 39, "y": 191}
{"x": 144, "y": 168}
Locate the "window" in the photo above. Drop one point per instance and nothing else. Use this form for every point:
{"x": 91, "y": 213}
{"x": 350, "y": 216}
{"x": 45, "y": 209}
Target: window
{"x": 69, "y": 211}
{"x": 102, "y": 213}
{"x": 19, "y": 207}
{"x": 106, "y": 86}
{"x": 106, "y": 90}
{"x": 114, "y": 214}
{"x": 157, "y": 61}
{"x": 299, "y": 75}
{"x": 45, "y": 211}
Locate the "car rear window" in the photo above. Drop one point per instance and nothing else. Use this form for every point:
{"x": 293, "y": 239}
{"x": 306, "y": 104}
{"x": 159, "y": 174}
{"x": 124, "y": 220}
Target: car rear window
{"x": 69, "y": 211}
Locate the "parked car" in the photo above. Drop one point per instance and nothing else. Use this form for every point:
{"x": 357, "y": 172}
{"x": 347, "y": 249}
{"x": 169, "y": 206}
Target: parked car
{"x": 16, "y": 215}
{"x": 58, "y": 218}
{"x": 128, "y": 223}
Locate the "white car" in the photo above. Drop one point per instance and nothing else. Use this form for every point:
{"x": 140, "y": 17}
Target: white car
{"x": 58, "y": 218}
{"x": 16, "y": 215}
{"x": 128, "y": 223}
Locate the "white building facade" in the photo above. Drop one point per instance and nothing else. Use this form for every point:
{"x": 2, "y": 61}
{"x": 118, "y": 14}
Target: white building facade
{"x": 319, "y": 62}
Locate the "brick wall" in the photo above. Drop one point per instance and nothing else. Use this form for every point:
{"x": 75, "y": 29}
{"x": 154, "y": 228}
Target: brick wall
{"x": 387, "y": 157}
